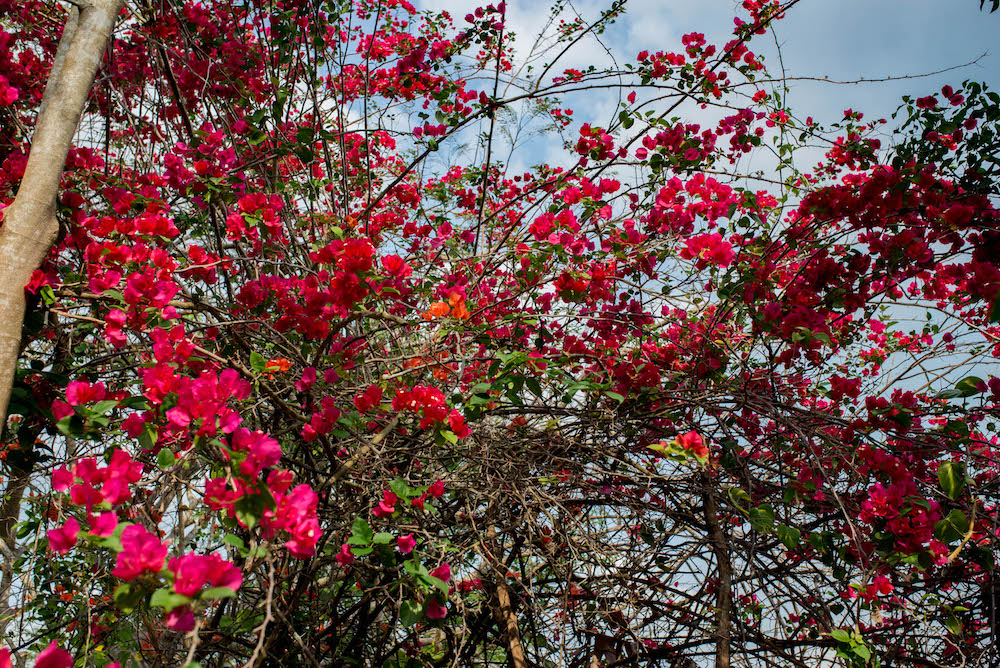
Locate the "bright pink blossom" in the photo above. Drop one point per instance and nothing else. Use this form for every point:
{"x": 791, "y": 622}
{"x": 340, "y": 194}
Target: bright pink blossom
{"x": 142, "y": 553}
{"x": 63, "y": 538}
{"x": 387, "y": 506}
{"x": 406, "y": 543}
{"x": 436, "y": 490}
{"x": 82, "y": 392}
{"x": 180, "y": 619}
{"x": 103, "y": 525}
{"x": 194, "y": 571}
{"x": 442, "y": 572}
{"x": 435, "y": 610}
{"x": 693, "y": 443}
{"x": 54, "y": 657}
{"x": 345, "y": 557}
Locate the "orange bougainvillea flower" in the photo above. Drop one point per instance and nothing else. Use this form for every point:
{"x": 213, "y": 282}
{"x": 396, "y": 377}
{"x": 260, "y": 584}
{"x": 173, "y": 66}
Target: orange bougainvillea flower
{"x": 437, "y": 310}
{"x": 458, "y": 309}
{"x": 278, "y": 365}
{"x": 455, "y": 306}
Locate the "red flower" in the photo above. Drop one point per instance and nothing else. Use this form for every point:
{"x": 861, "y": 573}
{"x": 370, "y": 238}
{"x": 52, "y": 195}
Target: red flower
{"x": 693, "y": 443}
{"x": 53, "y": 657}
{"x": 387, "y": 506}
{"x": 193, "y": 571}
{"x": 436, "y": 490}
{"x": 406, "y": 543}
{"x": 82, "y": 392}
{"x": 63, "y": 538}
{"x": 435, "y": 610}
{"x": 345, "y": 557}
{"x": 142, "y": 552}
{"x": 442, "y": 572}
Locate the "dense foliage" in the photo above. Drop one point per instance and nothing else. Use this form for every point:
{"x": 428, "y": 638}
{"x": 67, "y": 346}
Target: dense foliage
{"x": 319, "y": 373}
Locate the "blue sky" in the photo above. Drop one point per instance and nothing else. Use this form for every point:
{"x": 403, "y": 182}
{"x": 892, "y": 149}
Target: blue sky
{"x": 842, "y": 39}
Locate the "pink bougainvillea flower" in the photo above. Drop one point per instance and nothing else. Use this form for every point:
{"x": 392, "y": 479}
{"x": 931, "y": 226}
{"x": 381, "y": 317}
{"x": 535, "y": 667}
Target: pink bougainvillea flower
{"x": 63, "y": 538}
{"x": 406, "y": 543}
{"x": 442, "y": 572}
{"x": 435, "y": 610}
{"x": 387, "y": 506}
{"x": 54, "y": 657}
{"x": 180, "y": 619}
{"x": 82, "y": 392}
{"x": 261, "y": 451}
{"x": 104, "y": 524}
{"x": 5, "y": 658}
{"x": 60, "y": 409}
{"x": 708, "y": 249}
{"x": 142, "y": 552}
{"x": 194, "y": 571}
{"x": 297, "y": 514}
{"x": 345, "y": 557}
{"x": 693, "y": 443}
{"x": 62, "y": 479}
{"x": 436, "y": 490}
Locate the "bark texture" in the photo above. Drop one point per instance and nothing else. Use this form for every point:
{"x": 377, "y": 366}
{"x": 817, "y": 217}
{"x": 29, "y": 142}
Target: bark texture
{"x": 724, "y": 572}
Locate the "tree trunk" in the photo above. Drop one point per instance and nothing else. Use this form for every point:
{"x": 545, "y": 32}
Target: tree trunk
{"x": 29, "y": 223}
{"x": 507, "y": 621}
{"x": 724, "y": 572}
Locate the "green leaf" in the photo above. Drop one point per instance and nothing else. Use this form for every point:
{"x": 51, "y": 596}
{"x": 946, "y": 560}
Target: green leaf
{"x": 400, "y": 488}
{"x": 114, "y": 541}
{"x": 790, "y": 536}
{"x": 249, "y": 509}
{"x": 218, "y": 592}
{"x": 410, "y": 612}
{"x": 995, "y": 310}
{"x": 840, "y": 635}
{"x": 235, "y": 541}
{"x": 362, "y": 532}
{"x": 953, "y": 625}
{"x": 863, "y": 651}
{"x": 103, "y": 407}
{"x": 953, "y": 527}
{"x": 166, "y": 458}
{"x": 415, "y": 568}
{"x": 738, "y": 495}
{"x": 168, "y": 600}
{"x": 47, "y": 295}
{"x": 382, "y": 538}
{"x": 148, "y": 437}
{"x": 304, "y": 135}
{"x": 959, "y": 520}
{"x": 762, "y": 517}
{"x": 257, "y": 362}
{"x": 969, "y": 386}
{"x": 440, "y": 584}
{"x": 127, "y": 598}
{"x": 952, "y": 479}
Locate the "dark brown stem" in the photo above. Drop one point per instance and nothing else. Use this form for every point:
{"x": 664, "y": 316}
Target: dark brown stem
{"x": 724, "y": 572}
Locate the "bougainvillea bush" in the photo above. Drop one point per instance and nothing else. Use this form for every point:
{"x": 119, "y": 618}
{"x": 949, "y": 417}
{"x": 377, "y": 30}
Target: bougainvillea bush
{"x": 319, "y": 373}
